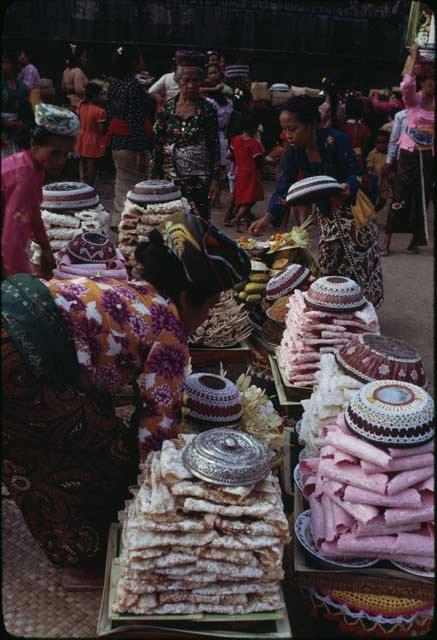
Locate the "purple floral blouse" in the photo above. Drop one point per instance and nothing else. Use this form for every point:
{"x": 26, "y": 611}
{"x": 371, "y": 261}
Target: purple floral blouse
{"x": 124, "y": 333}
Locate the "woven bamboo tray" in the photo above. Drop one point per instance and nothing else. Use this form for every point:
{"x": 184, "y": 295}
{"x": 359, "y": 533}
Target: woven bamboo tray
{"x": 273, "y": 625}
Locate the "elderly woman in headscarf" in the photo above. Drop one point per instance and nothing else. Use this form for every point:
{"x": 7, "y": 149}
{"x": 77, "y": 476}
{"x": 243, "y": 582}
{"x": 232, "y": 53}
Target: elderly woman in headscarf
{"x": 187, "y": 148}
{"x": 68, "y": 347}
{"x": 23, "y": 176}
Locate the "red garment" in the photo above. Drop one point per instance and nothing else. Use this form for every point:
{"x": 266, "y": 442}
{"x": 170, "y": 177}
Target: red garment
{"x": 22, "y": 183}
{"x": 357, "y": 132}
{"x": 91, "y": 142}
{"x": 248, "y": 188}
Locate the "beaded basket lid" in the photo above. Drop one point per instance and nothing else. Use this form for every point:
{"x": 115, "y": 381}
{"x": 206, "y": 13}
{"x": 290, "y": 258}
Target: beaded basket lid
{"x": 371, "y": 356}
{"x": 212, "y": 399}
{"x": 91, "y": 247}
{"x": 335, "y": 294}
{"x": 224, "y": 456}
{"x": 153, "y": 191}
{"x": 279, "y": 86}
{"x": 68, "y": 195}
{"x": 312, "y": 189}
{"x": 237, "y": 71}
{"x": 391, "y": 413}
{"x": 286, "y": 281}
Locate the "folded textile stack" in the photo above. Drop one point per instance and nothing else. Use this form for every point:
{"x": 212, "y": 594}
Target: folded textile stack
{"x": 90, "y": 254}
{"x": 68, "y": 209}
{"x": 321, "y": 320}
{"x": 365, "y": 358}
{"x": 227, "y": 324}
{"x": 146, "y": 207}
{"x": 191, "y": 546}
{"x": 371, "y": 488}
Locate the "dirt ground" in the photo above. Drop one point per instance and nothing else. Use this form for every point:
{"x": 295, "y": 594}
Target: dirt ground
{"x": 408, "y": 310}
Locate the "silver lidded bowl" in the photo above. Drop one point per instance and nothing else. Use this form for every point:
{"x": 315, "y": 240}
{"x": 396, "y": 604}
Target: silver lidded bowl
{"x": 224, "y": 456}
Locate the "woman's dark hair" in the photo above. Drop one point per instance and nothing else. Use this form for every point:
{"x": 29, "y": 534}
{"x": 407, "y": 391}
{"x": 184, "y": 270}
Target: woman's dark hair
{"x": 41, "y": 136}
{"x": 354, "y": 108}
{"x": 27, "y": 52}
{"x": 249, "y": 123}
{"x": 332, "y": 92}
{"x": 11, "y": 57}
{"x": 165, "y": 271}
{"x": 382, "y": 133}
{"x": 92, "y": 90}
{"x": 74, "y": 59}
{"x": 305, "y": 108}
{"x": 124, "y": 59}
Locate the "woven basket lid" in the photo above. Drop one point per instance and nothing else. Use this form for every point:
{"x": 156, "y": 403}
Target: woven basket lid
{"x": 68, "y": 195}
{"x": 186, "y": 58}
{"x": 370, "y": 356}
{"x": 154, "y": 191}
{"x": 237, "y": 71}
{"x": 391, "y": 413}
{"x": 335, "y": 294}
{"x": 212, "y": 400}
{"x": 314, "y": 189}
{"x": 91, "y": 247}
{"x": 286, "y": 281}
{"x": 224, "y": 456}
{"x": 279, "y": 86}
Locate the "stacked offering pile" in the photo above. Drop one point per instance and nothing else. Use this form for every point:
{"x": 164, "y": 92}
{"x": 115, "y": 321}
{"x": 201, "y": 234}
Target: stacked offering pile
{"x": 252, "y": 290}
{"x": 146, "y": 207}
{"x": 227, "y": 324}
{"x": 321, "y": 320}
{"x": 332, "y": 391}
{"x": 365, "y": 358}
{"x": 371, "y": 488}
{"x": 68, "y": 209}
{"x": 191, "y": 546}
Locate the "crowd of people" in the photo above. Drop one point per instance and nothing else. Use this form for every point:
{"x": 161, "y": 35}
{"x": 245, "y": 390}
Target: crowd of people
{"x": 202, "y": 127}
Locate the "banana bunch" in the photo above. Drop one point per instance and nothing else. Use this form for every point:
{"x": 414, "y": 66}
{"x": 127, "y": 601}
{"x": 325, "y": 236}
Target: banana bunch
{"x": 253, "y": 290}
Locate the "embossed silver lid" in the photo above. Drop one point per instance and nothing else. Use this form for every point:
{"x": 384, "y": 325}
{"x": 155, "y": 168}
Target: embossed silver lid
{"x": 225, "y": 456}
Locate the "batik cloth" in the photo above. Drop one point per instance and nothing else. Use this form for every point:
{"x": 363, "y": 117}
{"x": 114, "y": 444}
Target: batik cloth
{"x": 57, "y": 120}
{"x": 412, "y": 192}
{"x": 187, "y": 151}
{"x": 211, "y": 261}
{"x": 348, "y": 251}
{"x": 67, "y": 460}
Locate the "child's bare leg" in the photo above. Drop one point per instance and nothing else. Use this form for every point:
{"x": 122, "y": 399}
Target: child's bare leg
{"x": 92, "y": 171}
{"x": 82, "y": 170}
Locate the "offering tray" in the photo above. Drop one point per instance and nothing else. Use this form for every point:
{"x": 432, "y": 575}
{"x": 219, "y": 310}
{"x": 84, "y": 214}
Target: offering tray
{"x": 273, "y": 625}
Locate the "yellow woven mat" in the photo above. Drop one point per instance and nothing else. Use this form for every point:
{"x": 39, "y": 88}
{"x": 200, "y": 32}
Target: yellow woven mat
{"x": 34, "y": 603}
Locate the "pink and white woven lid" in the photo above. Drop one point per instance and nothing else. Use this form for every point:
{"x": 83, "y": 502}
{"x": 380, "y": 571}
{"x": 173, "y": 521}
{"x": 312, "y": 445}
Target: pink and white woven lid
{"x": 314, "y": 189}
{"x": 212, "y": 399}
{"x": 335, "y": 294}
{"x": 68, "y": 195}
{"x": 286, "y": 281}
{"x": 154, "y": 191}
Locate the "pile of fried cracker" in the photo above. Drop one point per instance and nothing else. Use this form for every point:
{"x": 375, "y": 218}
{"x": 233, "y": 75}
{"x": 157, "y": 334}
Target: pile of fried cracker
{"x": 190, "y": 546}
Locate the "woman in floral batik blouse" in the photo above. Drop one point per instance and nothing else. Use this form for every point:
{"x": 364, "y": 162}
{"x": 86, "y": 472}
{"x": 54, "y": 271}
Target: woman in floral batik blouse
{"x": 68, "y": 346}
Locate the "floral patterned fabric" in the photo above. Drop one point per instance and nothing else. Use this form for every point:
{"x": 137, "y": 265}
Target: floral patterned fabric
{"x": 127, "y": 333}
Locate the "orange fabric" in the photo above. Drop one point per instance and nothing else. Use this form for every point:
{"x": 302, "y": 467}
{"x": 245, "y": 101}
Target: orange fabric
{"x": 90, "y": 142}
